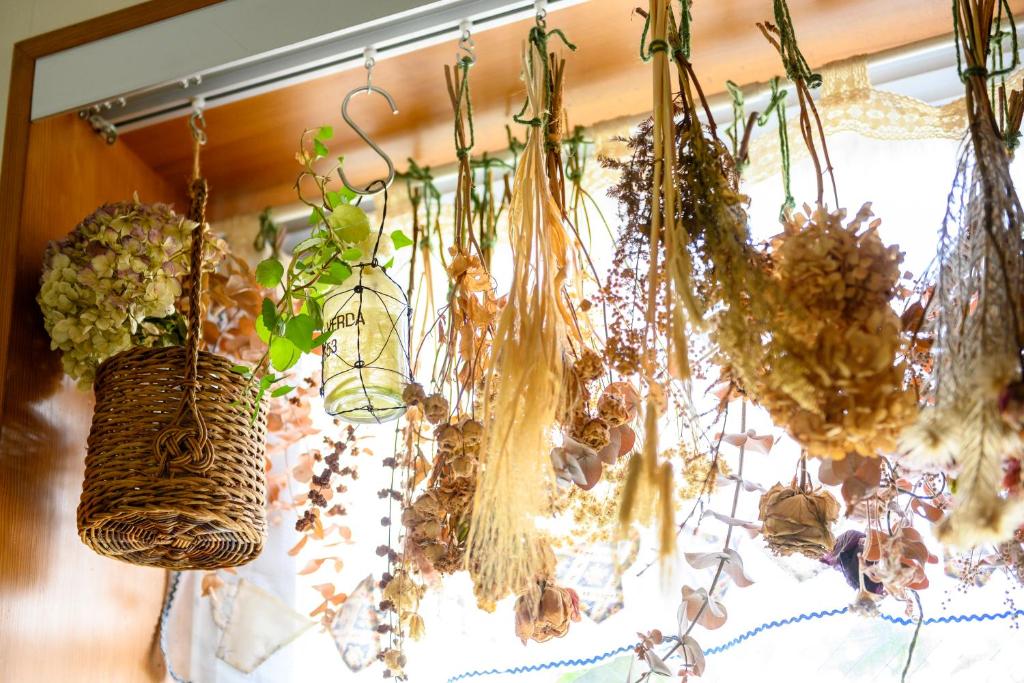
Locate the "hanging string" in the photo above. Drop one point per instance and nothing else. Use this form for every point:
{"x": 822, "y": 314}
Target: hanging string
{"x": 797, "y": 68}
{"x": 185, "y": 441}
{"x": 783, "y": 38}
{"x": 778, "y": 105}
{"x": 538, "y": 38}
{"x": 979, "y": 50}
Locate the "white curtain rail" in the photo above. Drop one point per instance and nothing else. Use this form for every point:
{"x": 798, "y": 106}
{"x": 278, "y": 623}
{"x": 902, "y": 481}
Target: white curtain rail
{"x": 391, "y": 35}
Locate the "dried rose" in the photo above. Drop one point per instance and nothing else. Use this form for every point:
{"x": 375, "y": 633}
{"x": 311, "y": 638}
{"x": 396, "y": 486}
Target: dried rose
{"x": 472, "y": 433}
{"x": 435, "y": 408}
{"x": 549, "y": 617}
{"x": 413, "y": 394}
{"x": 449, "y": 438}
{"x": 798, "y": 521}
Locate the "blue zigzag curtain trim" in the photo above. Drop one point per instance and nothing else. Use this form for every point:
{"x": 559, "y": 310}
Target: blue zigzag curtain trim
{"x": 901, "y": 621}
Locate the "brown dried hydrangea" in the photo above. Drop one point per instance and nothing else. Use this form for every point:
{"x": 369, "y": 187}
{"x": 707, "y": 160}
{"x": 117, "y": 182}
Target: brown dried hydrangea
{"x": 832, "y": 377}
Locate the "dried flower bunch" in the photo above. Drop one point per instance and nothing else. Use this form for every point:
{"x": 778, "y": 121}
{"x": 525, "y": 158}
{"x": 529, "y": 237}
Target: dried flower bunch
{"x": 973, "y": 414}
{"x": 835, "y": 383}
{"x": 526, "y": 370}
{"x": 594, "y": 433}
{"x": 438, "y": 520}
{"x": 829, "y": 373}
{"x": 114, "y": 281}
{"x": 798, "y": 519}
{"x": 546, "y": 610}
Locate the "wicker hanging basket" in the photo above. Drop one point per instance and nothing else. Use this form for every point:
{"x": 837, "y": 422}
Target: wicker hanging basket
{"x": 174, "y": 475}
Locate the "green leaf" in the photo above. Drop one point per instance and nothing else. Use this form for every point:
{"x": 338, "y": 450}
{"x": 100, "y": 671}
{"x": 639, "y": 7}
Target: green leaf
{"x": 337, "y": 273}
{"x": 320, "y": 148}
{"x": 350, "y": 222}
{"x": 334, "y": 199}
{"x": 269, "y": 313}
{"x": 315, "y": 216}
{"x": 307, "y": 244}
{"x": 312, "y": 308}
{"x": 283, "y": 354}
{"x": 241, "y": 370}
{"x": 299, "y": 331}
{"x": 325, "y": 133}
{"x": 262, "y": 330}
{"x": 351, "y": 254}
{"x": 321, "y": 340}
{"x": 282, "y": 390}
{"x": 269, "y": 272}
{"x": 400, "y": 239}
{"x": 347, "y": 195}
{"x": 391, "y": 262}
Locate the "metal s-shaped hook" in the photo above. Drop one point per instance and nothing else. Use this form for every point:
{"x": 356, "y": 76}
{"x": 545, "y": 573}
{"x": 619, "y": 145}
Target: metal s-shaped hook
{"x": 368, "y": 88}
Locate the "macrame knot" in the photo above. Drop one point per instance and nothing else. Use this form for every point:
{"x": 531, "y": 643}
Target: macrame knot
{"x": 184, "y": 443}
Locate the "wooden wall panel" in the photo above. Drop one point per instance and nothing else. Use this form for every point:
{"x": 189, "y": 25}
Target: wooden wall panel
{"x": 66, "y": 614}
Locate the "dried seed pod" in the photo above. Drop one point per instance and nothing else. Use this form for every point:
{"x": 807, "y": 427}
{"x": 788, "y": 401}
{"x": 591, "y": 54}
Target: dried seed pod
{"x": 611, "y": 408}
{"x": 449, "y": 438}
{"x": 435, "y": 408}
{"x": 596, "y": 434}
{"x": 589, "y": 366}
{"x": 472, "y": 433}
{"x": 413, "y": 393}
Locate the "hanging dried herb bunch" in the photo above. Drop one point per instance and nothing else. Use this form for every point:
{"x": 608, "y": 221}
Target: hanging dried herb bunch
{"x": 831, "y": 374}
{"x": 523, "y": 383}
{"x": 974, "y": 414}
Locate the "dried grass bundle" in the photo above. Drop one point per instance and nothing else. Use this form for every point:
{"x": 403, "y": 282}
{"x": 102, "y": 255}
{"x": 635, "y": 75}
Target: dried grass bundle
{"x": 978, "y": 299}
{"x": 523, "y": 383}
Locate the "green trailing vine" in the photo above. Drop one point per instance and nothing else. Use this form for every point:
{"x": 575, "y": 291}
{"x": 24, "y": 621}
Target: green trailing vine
{"x": 294, "y": 325}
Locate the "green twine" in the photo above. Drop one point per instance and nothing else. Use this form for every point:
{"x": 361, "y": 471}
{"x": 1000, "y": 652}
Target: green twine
{"x": 576, "y": 154}
{"x": 539, "y": 36}
{"x": 733, "y": 131}
{"x": 464, "y": 100}
{"x": 797, "y": 68}
{"x": 685, "y": 19}
{"x": 420, "y": 177}
{"x": 777, "y": 103}
{"x": 998, "y": 70}
{"x": 683, "y": 34}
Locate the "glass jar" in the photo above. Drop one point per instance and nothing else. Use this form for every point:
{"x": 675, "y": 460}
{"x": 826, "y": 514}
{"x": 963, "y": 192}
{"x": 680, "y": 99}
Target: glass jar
{"x": 365, "y": 360}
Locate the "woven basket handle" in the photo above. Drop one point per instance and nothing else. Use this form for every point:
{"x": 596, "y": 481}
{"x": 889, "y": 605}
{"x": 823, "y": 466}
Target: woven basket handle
{"x": 185, "y": 441}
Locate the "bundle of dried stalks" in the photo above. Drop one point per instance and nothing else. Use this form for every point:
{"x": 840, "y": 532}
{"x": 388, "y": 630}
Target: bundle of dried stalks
{"x": 523, "y": 383}
{"x": 979, "y": 297}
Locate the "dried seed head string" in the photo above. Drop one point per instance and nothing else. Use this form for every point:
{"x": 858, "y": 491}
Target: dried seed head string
{"x": 524, "y": 381}
{"x": 782, "y": 37}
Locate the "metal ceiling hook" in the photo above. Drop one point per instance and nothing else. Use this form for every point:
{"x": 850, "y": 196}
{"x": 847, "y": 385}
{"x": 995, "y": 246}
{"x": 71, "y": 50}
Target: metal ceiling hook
{"x": 378, "y": 185}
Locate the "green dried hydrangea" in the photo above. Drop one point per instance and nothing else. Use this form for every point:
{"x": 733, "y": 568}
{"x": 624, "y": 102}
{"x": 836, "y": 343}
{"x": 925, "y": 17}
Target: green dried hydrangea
{"x": 113, "y": 282}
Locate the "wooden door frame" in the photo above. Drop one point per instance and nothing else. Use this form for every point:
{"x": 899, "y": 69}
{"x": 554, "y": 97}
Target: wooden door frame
{"x": 19, "y": 119}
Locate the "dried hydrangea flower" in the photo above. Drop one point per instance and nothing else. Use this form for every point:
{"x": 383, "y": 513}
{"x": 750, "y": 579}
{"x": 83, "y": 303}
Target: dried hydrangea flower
{"x": 113, "y": 283}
